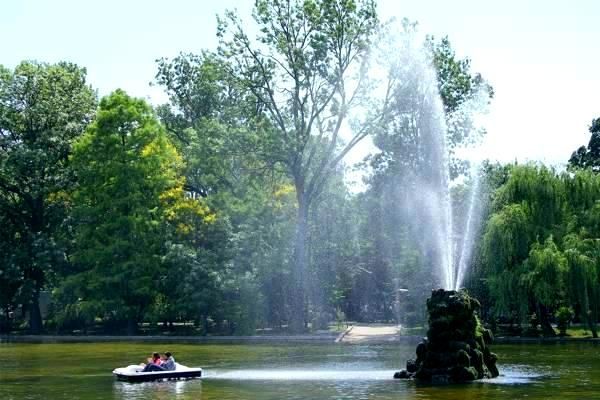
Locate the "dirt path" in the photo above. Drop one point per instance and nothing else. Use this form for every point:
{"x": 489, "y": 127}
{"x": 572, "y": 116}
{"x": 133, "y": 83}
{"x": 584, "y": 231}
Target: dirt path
{"x": 370, "y": 333}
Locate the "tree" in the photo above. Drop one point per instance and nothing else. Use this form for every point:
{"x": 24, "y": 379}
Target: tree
{"x": 583, "y": 280}
{"x": 129, "y": 189}
{"x": 464, "y": 94}
{"x": 214, "y": 123}
{"x": 505, "y": 247}
{"x": 519, "y": 244}
{"x": 541, "y": 245}
{"x": 43, "y": 108}
{"x": 588, "y": 157}
{"x": 228, "y": 149}
{"x": 306, "y": 69}
{"x": 456, "y": 83}
{"x": 543, "y": 278}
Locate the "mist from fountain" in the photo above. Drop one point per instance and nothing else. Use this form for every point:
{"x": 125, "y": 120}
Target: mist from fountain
{"x": 470, "y": 228}
{"x": 433, "y": 198}
{"x": 434, "y": 181}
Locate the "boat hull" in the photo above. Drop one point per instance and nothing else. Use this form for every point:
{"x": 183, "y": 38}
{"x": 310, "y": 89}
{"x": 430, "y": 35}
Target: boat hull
{"x": 134, "y": 374}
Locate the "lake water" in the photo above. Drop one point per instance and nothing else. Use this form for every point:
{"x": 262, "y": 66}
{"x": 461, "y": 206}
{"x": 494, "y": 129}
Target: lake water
{"x": 292, "y": 371}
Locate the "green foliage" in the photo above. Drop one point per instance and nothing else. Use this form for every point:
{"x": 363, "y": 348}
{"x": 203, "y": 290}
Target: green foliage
{"x": 583, "y": 277}
{"x": 564, "y": 315}
{"x": 542, "y": 193}
{"x": 588, "y": 157}
{"x": 231, "y": 159}
{"x": 227, "y": 208}
{"x": 543, "y": 273}
{"x": 455, "y": 81}
{"x": 43, "y": 108}
{"x": 540, "y": 244}
{"x": 303, "y": 69}
{"x": 507, "y": 238}
{"x": 129, "y": 192}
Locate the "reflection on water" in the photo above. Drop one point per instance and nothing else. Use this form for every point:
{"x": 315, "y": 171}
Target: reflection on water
{"x": 157, "y": 390}
{"x": 515, "y": 375}
{"x": 299, "y": 375}
{"x": 289, "y": 372}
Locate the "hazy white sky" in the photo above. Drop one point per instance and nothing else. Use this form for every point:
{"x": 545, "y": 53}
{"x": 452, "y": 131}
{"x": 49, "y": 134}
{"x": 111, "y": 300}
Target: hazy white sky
{"x": 541, "y": 56}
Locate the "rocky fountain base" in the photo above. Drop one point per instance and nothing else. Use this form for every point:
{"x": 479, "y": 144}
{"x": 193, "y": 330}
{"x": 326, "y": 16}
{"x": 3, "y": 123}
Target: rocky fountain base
{"x": 456, "y": 348}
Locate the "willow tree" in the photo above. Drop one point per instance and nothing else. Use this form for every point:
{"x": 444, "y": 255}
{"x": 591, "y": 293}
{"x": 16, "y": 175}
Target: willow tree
{"x": 306, "y": 69}
{"x": 541, "y": 190}
{"x": 541, "y": 244}
{"x": 519, "y": 247}
{"x": 543, "y": 280}
{"x": 581, "y": 247}
{"x": 505, "y": 247}
{"x": 583, "y": 278}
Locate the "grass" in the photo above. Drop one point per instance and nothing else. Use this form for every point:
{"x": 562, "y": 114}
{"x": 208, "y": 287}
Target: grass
{"x": 579, "y": 332}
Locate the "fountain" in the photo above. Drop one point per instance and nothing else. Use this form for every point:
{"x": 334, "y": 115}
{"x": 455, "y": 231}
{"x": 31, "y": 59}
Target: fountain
{"x": 423, "y": 120}
{"x": 456, "y": 348}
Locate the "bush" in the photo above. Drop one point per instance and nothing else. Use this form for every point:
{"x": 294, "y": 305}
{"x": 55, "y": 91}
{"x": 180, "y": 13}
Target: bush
{"x": 563, "y": 316}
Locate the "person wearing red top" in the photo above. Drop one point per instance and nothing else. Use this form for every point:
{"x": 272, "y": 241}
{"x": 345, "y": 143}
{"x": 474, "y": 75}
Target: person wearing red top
{"x": 154, "y": 364}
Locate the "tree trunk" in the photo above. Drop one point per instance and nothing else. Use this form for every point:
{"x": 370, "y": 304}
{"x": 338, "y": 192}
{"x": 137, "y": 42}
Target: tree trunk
{"x": 36, "y": 274}
{"x": 8, "y": 320}
{"x": 591, "y": 324}
{"x": 545, "y": 322}
{"x": 35, "y": 315}
{"x": 297, "y": 322}
{"x": 131, "y": 326}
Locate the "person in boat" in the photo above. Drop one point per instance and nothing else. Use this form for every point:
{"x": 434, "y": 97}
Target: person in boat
{"x": 154, "y": 364}
{"x": 168, "y": 362}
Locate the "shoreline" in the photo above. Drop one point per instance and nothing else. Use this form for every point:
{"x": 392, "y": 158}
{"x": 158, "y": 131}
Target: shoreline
{"x": 172, "y": 339}
{"x": 279, "y": 339}
{"x": 522, "y": 340}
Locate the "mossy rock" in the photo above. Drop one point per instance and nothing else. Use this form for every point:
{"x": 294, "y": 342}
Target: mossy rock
{"x": 455, "y": 349}
{"x": 463, "y": 359}
{"x": 463, "y": 374}
{"x": 412, "y": 366}
{"x": 488, "y": 336}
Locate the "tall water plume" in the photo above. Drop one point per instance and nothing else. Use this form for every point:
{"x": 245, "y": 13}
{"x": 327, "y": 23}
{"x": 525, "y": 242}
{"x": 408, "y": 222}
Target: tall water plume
{"x": 432, "y": 179}
{"x": 419, "y": 134}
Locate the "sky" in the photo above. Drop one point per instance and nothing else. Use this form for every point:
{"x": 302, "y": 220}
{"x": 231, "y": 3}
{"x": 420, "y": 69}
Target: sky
{"x": 541, "y": 56}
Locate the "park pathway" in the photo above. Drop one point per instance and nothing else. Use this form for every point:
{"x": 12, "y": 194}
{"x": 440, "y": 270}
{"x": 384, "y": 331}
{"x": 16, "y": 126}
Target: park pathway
{"x": 379, "y": 333}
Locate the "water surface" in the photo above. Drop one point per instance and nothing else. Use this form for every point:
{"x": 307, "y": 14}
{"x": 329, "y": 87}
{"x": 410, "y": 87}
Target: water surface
{"x": 265, "y": 372}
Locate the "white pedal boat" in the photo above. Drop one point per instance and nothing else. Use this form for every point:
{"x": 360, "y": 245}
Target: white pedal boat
{"x": 133, "y": 373}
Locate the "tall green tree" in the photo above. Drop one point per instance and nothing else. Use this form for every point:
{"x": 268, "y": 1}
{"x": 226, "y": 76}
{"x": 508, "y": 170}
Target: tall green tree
{"x": 129, "y": 187}
{"x": 229, "y": 149}
{"x": 305, "y": 68}
{"x": 43, "y": 108}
